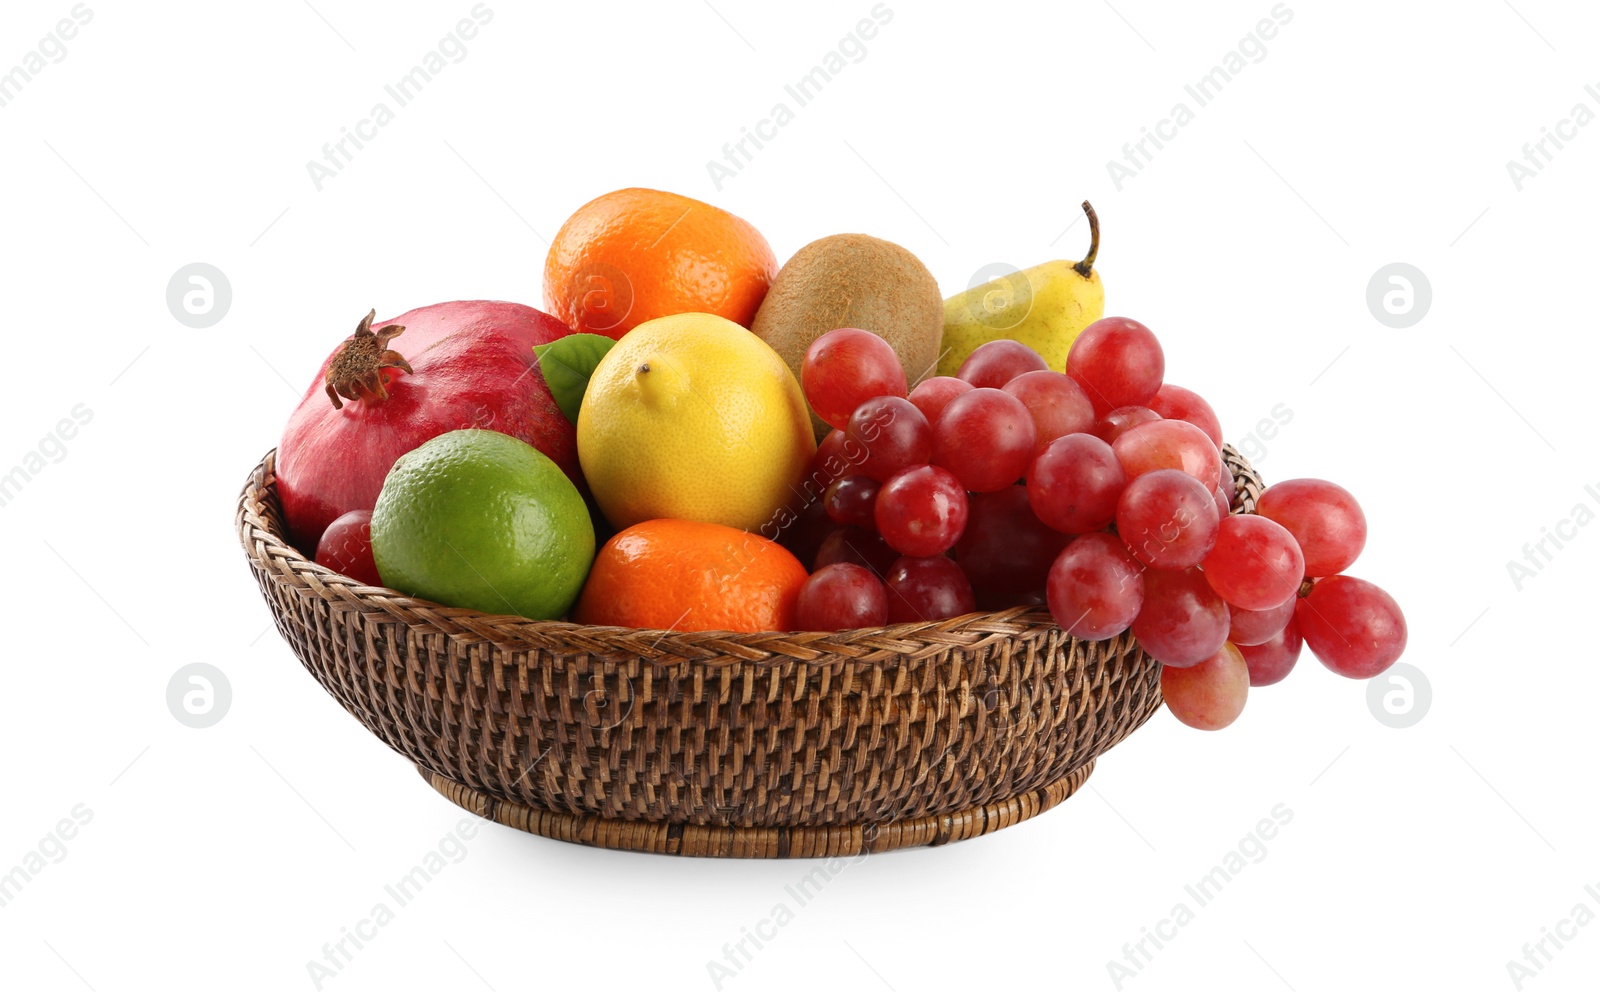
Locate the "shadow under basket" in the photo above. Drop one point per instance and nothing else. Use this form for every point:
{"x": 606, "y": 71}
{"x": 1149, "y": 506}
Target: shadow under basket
{"x": 716, "y": 744}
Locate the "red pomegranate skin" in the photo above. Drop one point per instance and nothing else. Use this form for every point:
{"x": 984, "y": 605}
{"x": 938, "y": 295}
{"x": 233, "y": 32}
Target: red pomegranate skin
{"x": 472, "y": 365}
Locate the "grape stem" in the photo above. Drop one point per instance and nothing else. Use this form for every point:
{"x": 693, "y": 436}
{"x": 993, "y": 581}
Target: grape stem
{"x": 1086, "y": 267}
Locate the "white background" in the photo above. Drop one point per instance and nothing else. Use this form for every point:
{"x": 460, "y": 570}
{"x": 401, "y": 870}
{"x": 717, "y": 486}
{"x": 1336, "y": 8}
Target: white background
{"x": 1370, "y": 133}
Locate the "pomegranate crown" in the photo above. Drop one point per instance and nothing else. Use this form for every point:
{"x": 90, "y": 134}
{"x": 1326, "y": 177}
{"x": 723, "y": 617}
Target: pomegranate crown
{"x": 356, "y": 372}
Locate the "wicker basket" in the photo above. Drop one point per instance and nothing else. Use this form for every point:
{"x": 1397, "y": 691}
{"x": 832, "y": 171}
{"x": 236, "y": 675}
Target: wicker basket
{"x": 713, "y": 743}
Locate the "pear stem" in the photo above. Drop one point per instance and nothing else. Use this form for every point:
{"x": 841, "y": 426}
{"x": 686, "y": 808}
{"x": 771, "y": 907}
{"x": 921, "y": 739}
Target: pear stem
{"x": 1086, "y": 267}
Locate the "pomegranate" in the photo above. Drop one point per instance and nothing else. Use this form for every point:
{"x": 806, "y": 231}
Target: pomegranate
{"x": 384, "y": 392}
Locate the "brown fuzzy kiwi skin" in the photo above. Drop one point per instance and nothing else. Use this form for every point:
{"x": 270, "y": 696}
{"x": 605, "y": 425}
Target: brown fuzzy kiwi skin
{"x": 854, "y": 280}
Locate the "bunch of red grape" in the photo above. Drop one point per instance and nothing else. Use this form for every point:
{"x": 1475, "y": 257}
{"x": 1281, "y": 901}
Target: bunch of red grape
{"x": 1100, "y": 492}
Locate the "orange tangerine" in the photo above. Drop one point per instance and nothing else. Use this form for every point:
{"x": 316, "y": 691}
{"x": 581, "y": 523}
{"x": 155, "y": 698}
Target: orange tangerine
{"x": 686, "y": 575}
{"x": 637, "y": 254}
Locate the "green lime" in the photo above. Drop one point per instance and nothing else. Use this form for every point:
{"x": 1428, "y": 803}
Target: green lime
{"x": 479, "y": 519}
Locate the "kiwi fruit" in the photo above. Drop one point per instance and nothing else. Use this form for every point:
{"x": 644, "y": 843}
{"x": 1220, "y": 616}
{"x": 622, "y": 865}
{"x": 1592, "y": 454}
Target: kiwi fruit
{"x": 854, "y": 280}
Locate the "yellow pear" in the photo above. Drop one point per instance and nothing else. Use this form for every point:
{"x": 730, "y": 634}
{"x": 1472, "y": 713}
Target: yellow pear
{"x": 1044, "y": 307}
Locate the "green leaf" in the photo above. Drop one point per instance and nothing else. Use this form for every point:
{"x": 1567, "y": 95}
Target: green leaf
{"x": 567, "y": 364}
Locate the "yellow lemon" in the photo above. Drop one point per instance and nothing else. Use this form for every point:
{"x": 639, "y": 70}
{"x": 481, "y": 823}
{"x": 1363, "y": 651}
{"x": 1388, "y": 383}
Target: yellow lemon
{"x": 692, "y": 417}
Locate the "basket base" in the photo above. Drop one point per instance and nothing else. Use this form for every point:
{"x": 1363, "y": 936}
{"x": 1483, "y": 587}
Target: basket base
{"x": 691, "y": 840}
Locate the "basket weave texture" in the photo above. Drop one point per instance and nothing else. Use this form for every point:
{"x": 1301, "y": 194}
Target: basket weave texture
{"x": 715, "y": 743}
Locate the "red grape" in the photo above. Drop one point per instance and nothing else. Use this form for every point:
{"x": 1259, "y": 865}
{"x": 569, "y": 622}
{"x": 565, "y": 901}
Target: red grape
{"x": 921, "y": 511}
{"x": 1170, "y": 444}
{"x": 995, "y": 363}
{"x": 858, "y": 547}
{"x": 985, "y": 437}
{"x": 1096, "y": 588}
{"x": 842, "y": 596}
{"x": 1122, "y": 420}
{"x": 1056, "y": 403}
{"x": 1210, "y": 695}
{"x": 1118, "y": 362}
{"x": 1176, "y": 403}
{"x": 1006, "y": 550}
{"x": 1074, "y": 484}
{"x": 1226, "y": 484}
{"x": 1273, "y": 659}
{"x": 1352, "y": 626}
{"x": 803, "y": 535}
{"x": 1182, "y": 621}
{"x": 928, "y": 589}
{"x": 846, "y": 367}
{"x": 346, "y": 547}
{"x": 932, "y": 395}
{"x": 1248, "y": 628}
{"x": 837, "y": 456}
{"x": 1323, "y": 517}
{"x": 893, "y": 433}
{"x": 1255, "y": 564}
{"x": 1167, "y": 519}
{"x": 849, "y": 500}
{"x": 1222, "y": 504}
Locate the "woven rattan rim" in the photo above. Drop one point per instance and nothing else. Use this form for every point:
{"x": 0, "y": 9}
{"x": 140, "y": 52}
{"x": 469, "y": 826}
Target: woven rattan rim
{"x": 261, "y": 539}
